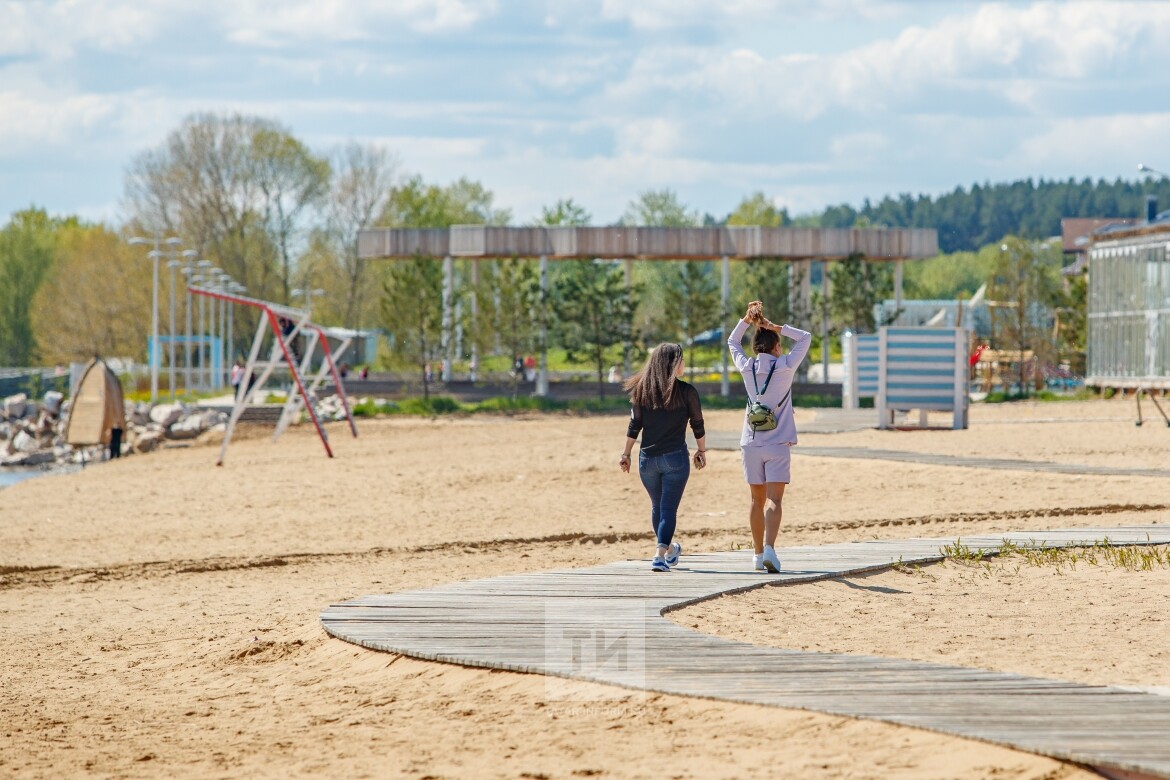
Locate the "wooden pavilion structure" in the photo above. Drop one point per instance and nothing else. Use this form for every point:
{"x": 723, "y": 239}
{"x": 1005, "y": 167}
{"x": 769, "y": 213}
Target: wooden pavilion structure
{"x": 800, "y": 246}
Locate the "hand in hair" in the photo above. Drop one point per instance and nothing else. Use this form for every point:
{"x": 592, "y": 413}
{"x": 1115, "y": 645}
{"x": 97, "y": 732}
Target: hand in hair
{"x": 755, "y": 316}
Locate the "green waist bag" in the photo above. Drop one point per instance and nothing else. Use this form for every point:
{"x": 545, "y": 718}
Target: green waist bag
{"x": 760, "y": 416}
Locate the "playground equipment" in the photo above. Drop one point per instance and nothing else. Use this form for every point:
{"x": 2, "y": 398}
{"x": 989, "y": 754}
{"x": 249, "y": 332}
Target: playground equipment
{"x": 286, "y": 325}
{"x": 923, "y": 369}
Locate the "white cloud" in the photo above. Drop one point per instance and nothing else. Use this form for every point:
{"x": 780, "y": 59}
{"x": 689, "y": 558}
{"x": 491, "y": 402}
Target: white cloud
{"x": 667, "y": 14}
{"x": 58, "y": 29}
{"x": 260, "y": 22}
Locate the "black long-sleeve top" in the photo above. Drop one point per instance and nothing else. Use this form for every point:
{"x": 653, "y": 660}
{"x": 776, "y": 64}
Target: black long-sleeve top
{"x": 665, "y": 430}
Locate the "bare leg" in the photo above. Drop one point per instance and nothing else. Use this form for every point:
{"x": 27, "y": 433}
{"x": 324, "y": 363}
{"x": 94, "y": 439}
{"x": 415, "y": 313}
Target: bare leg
{"x": 756, "y": 516}
{"x": 772, "y": 514}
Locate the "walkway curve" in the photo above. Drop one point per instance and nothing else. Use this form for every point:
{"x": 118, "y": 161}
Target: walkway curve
{"x": 605, "y": 624}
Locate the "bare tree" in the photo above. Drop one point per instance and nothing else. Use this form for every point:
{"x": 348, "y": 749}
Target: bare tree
{"x": 363, "y": 175}
{"x": 238, "y": 189}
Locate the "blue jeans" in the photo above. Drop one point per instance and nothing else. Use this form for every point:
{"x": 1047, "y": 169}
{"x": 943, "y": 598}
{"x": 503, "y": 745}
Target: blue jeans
{"x": 664, "y": 477}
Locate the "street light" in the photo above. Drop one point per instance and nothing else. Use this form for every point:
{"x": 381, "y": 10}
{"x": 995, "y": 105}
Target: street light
{"x": 189, "y": 256}
{"x": 309, "y": 295}
{"x": 154, "y": 256}
{"x": 1143, "y": 168}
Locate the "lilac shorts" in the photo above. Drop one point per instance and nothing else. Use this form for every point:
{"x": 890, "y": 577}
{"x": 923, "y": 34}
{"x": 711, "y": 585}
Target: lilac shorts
{"x": 772, "y": 463}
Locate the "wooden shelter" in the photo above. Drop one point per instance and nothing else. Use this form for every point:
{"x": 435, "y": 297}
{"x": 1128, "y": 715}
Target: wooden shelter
{"x": 796, "y": 245}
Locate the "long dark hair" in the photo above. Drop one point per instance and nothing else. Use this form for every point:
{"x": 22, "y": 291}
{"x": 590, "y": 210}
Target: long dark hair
{"x": 653, "y": 386}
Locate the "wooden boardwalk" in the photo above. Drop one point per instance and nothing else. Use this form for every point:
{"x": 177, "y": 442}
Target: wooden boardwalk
{"x": 606, "y": 624}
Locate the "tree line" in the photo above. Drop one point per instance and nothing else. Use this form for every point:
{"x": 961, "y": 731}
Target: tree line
{"x": 249, "y": 197}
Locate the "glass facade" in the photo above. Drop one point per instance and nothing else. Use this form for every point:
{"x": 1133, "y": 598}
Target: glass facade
{"x": 1129, "y": 312}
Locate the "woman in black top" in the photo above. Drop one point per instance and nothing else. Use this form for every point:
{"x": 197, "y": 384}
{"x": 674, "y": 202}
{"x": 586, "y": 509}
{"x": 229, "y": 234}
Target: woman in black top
{"x": 660, "y": 406}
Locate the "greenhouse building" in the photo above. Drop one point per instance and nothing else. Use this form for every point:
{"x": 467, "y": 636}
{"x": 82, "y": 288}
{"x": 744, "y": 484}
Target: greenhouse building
{"x": 1129, "y": 306}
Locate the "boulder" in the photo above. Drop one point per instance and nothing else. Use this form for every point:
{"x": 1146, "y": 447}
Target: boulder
{"x": 52, "y": 403}
{"x": 140, "y": 414}
{"x": 150, "y": 440}
{"x": 30, "y": 458}
{"x": 15, "y": 405}
{"x": 187, "y": 428}
{"x": 166, "y": 415}
{"x": 23, "y": 442}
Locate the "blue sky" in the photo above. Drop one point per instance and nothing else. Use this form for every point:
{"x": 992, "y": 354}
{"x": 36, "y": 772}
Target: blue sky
{"x": 812, "y": 103}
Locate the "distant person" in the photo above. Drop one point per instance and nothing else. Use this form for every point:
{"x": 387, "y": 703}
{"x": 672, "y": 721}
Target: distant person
{"x": 529, "y": 369}
{"x": 615, "y": 375}
{"x": 472, "y": 370}
{"x": 661, "y": 405}
{"x": 343, "y": 370}
{"x": 236, "y": 376}
{"x": 767, "y": 455}
{"x": 518, "y": 367}
{"x": 365, "y": 372}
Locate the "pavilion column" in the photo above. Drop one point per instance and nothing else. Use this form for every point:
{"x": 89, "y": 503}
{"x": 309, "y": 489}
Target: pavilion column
{"x": 542, "y": 370}
{"x": 897, "y": 285}
{"x": 826, "y": 291}
{"x": 475, "y": 326}
{"x": 725, "y": 297}
{"x": 446, "y": 343}
{"x": 626, "y": 344}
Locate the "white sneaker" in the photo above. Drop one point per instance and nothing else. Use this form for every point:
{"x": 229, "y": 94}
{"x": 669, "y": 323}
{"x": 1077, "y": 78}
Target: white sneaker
{"x": 758, "y": 562}
{"x": 672, "y": 554}
{"x": 770, "y": 560}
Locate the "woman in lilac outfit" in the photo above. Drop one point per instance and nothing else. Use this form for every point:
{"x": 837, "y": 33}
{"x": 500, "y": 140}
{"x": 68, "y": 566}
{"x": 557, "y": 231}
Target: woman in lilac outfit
{"x": 767, "y": 458}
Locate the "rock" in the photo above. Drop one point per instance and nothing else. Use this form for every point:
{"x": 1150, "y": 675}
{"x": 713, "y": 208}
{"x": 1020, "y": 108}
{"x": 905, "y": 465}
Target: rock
{"x": 30, "y": 458}
{"x": 22, "y": 442}
{"x": 166, "y": 415}
{"x": 187, "y": 428}
{"x": 148, "y": 441}
{"x": 14, "y": 406}
{"x": 140, "y": 414}
{"x": 52, "y": 402}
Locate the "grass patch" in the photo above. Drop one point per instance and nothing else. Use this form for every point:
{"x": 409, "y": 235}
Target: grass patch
{"x": 1010, "y": 557}
{"x": 441, "y": 405}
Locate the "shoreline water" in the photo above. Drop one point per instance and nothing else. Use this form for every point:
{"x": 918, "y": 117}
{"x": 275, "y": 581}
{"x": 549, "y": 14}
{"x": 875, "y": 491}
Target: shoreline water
{"x": 12, "y": 475}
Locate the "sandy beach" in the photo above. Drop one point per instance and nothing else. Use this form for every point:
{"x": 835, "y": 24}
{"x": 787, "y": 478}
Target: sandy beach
{"x": 161, "y": 613}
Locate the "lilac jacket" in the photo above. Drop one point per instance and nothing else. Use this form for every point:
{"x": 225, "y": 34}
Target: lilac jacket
{"x": 778, "y": 388}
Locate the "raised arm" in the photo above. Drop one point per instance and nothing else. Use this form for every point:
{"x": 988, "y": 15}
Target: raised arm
{"x": 799, "y": 350}
{"x": 735, "y": 340}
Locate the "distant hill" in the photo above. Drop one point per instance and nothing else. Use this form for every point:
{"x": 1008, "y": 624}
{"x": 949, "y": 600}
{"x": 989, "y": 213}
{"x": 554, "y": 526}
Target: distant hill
{"x": 969, "y": 219}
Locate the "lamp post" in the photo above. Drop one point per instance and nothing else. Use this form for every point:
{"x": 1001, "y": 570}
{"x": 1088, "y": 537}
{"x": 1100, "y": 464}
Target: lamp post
{"x": 189, "y": 256}
{"x": 1143, "y": 168}
{"x": 172, "y": 264}
{"x": 202, "y": 266}
{"x": 309, "y": 295}
{"x": 154, "y": 256}
{"x": 209, "y": 281}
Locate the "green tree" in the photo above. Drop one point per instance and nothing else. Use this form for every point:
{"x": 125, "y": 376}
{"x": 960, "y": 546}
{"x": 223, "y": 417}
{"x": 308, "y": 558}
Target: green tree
{"x": 763, "y": 279}
{"x": 660, "y": 208}
{"x": 97, "y": 300}
{"x": 412, "y": 310}
{"x": 594, "y": 309}
{"x": 510, "y": 305}
{"x": 27, "y": 245}
{"x": 693, "y": 300}
{"x": 857, "y": 286}
{"x": 757, "y": 210}
{"x": 414, "y": 203}
{"x": 1024, "y": 287}
{"x": 564, "y": 213}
